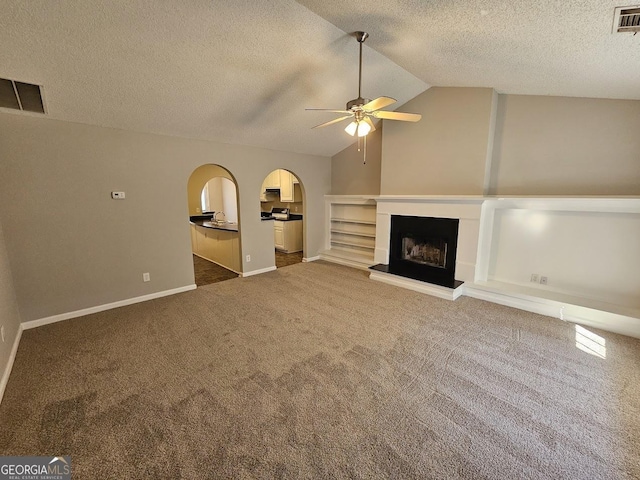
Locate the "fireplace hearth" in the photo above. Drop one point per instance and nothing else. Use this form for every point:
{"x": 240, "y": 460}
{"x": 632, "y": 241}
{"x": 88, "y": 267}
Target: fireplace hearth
{"x": 423, "y": 248}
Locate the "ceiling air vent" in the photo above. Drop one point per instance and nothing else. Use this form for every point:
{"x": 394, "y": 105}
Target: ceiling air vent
{"x": 626, "y": 19}
{"x": 20, "y": 96}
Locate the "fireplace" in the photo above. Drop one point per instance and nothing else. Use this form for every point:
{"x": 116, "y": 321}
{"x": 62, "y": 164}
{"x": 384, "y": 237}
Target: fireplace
{"x": 423, "y": 248}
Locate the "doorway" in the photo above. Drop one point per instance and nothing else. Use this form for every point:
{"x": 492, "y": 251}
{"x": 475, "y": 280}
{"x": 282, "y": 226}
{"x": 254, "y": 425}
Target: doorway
{"x": 282, "y": 202}
{"x": 213, "y": 222}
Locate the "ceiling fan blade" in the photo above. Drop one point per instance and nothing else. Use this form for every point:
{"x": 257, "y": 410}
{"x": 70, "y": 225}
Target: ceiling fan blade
{"x": 368, "y": 121}
{"x": 328, "y": 110}
{"x": 378, "y": 103}
{"x": 405, "y": 117}
{"x": 332, "y": 121}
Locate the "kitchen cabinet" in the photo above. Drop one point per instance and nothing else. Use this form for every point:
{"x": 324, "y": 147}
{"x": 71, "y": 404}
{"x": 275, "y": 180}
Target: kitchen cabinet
{"x": 289, "y": 187}
{"x": 219, "y": 246}
{"x": 272, "y": 180}
{"x": 278, "y": 234}
{"x": 287, "y": 235}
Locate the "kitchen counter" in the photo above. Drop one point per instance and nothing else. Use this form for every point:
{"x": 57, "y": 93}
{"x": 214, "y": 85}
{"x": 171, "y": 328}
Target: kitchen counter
{"x": 228, "y": 227}
{"x": 292, "y": 217}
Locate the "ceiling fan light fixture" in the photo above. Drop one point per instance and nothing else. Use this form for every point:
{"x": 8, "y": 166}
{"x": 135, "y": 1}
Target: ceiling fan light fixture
{"x": 363, "y": 128}
{"x": 360, "y": 128}
{"x": 351, "y": 128}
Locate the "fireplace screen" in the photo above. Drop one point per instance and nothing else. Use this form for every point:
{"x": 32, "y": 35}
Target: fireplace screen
{"x": 432, "y": 252}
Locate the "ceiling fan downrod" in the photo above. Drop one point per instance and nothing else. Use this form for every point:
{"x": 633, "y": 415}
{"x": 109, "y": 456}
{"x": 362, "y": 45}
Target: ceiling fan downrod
{"x": 361, "y": 37}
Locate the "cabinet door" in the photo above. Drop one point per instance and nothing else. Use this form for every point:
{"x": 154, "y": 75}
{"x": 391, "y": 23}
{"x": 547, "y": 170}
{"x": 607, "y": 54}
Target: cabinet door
{"x": 210, "y": 245}
{"x": 194, "y": 239}
{"x": 200, "y": 241}
{"x": 273, "y": 180}
{"x": 286, "y": 186}
{"x": 293, "y": 236}
{"x": 278, "y": 235}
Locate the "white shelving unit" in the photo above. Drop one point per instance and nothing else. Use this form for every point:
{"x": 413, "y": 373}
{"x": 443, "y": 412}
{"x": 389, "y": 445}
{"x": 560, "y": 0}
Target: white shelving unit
{"x": 351, "y": 230}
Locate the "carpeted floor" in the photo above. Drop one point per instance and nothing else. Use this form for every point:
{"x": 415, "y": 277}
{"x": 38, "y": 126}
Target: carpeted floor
{"x": 341, "y": 377}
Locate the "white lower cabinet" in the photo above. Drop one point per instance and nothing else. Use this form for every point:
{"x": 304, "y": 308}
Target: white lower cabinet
{"x": 288, "y": 235}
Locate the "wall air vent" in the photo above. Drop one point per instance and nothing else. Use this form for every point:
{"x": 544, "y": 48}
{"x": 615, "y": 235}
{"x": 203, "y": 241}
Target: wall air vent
{"x": 626, "y": 19}
{"x": 21, "y": 96}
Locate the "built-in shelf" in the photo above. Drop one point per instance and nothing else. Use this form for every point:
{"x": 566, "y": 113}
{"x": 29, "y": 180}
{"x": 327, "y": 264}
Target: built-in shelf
{"x": 352, "y": 244}
{"x": 353, "y": 220}
{"x": 357, "y": 234}
{"x": 351, "y": 230}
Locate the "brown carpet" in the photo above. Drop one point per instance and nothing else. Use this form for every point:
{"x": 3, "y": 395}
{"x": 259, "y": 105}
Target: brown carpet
{"x": 339, "y": 377}
{"x": 207, "y": 272}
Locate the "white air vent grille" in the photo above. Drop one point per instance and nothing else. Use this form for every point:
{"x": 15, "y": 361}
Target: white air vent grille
{"x": 626, "y": 19}
{"x": 21, "y": 96}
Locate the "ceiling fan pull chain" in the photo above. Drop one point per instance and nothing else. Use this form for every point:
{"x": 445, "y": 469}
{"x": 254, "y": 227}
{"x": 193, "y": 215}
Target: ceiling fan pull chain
{"x": 364, "y": 162}
{"x": 359, "y": 140}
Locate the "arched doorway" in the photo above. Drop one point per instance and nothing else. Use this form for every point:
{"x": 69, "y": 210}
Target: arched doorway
{"x": 212, "y": 193}
{"x": 282, "y": 201}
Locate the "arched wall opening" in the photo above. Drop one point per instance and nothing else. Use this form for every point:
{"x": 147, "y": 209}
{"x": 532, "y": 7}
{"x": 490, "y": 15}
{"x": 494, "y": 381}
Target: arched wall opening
{"x": 213, "y": 202}
{"x": 282, "y": 200}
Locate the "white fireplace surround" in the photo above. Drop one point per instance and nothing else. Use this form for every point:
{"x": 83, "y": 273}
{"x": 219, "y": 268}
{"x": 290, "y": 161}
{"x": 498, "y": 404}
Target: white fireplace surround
{"x": 588, "y": 248}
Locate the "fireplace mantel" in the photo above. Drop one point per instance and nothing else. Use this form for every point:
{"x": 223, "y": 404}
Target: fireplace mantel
{"x": 466, "y": 209}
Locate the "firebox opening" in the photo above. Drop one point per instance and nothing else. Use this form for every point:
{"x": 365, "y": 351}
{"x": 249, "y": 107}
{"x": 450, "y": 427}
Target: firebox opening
{"x": 430, "y": 251}
{"x": 424, "y": 249}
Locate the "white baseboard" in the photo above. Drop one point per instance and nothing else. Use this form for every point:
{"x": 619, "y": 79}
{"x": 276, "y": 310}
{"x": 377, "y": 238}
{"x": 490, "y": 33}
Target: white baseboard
{"x": 101, "y": 308}
{"x": 258, "y": 272}
{"x": 591, "y": 317}
{"x": 311, "y": 259}
{"x": 417, "y": 286}
{"x": 12, "y": 357}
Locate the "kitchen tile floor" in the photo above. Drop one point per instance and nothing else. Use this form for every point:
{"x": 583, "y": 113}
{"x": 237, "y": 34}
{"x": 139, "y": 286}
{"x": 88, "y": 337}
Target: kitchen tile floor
{"x": 285, "y": 259}
{"x": 207, "y": 272}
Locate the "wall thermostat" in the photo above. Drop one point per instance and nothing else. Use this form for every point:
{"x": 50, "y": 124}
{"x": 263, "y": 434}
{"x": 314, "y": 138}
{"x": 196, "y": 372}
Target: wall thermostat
{"x": 117, "y": 195}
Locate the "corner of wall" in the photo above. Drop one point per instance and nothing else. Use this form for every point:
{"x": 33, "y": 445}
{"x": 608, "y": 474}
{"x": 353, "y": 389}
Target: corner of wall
{"x": 490, "y": 143}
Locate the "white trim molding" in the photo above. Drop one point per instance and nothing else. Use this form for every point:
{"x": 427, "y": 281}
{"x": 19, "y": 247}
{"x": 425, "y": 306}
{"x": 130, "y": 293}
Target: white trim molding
{"x": 417, "y": 285}
{"x": 9, "y": 366}
{"x": 572, "y": 312}
{"x": 259, "y": 271}
{"x": 101, "y": 308}
{"x": 311, "y": 259}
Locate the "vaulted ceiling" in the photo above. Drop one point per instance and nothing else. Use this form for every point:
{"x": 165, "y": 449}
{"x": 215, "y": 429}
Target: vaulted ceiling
{"x": 243, "y": 71}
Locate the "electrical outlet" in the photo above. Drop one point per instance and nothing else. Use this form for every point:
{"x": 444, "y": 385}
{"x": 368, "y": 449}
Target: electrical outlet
{"x": 2, "y": 332}
{"x": 534, "y": 277}
{"x": 543, "y": 280}
{"x": 248, "y": 258}
{"x": 146, "y": 277}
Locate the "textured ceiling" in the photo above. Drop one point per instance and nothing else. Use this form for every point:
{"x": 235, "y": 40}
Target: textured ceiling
{"x": 542, "y": 47}
{"x": 243, "y": 71}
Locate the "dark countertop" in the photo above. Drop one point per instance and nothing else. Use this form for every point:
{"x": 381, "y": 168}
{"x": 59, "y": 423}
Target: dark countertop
{"x": 292, "y": 217}
{"x": 227, "y": 227}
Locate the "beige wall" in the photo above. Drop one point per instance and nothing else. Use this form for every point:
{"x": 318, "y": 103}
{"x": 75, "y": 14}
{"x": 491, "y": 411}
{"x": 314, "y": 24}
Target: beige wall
{"x": 9, "y": 313}
{"x": 73, "y": 247}
{"x": 473, "y": 141}
{"x": 350, "y": 176}
{"x": 566, "y": 146}
{"x": 445, "y": 153}
{"x": 198, "y": 180}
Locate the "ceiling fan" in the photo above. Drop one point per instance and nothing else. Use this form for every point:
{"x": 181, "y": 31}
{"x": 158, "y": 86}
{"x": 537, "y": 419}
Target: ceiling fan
{"x": 362, "y": 109}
